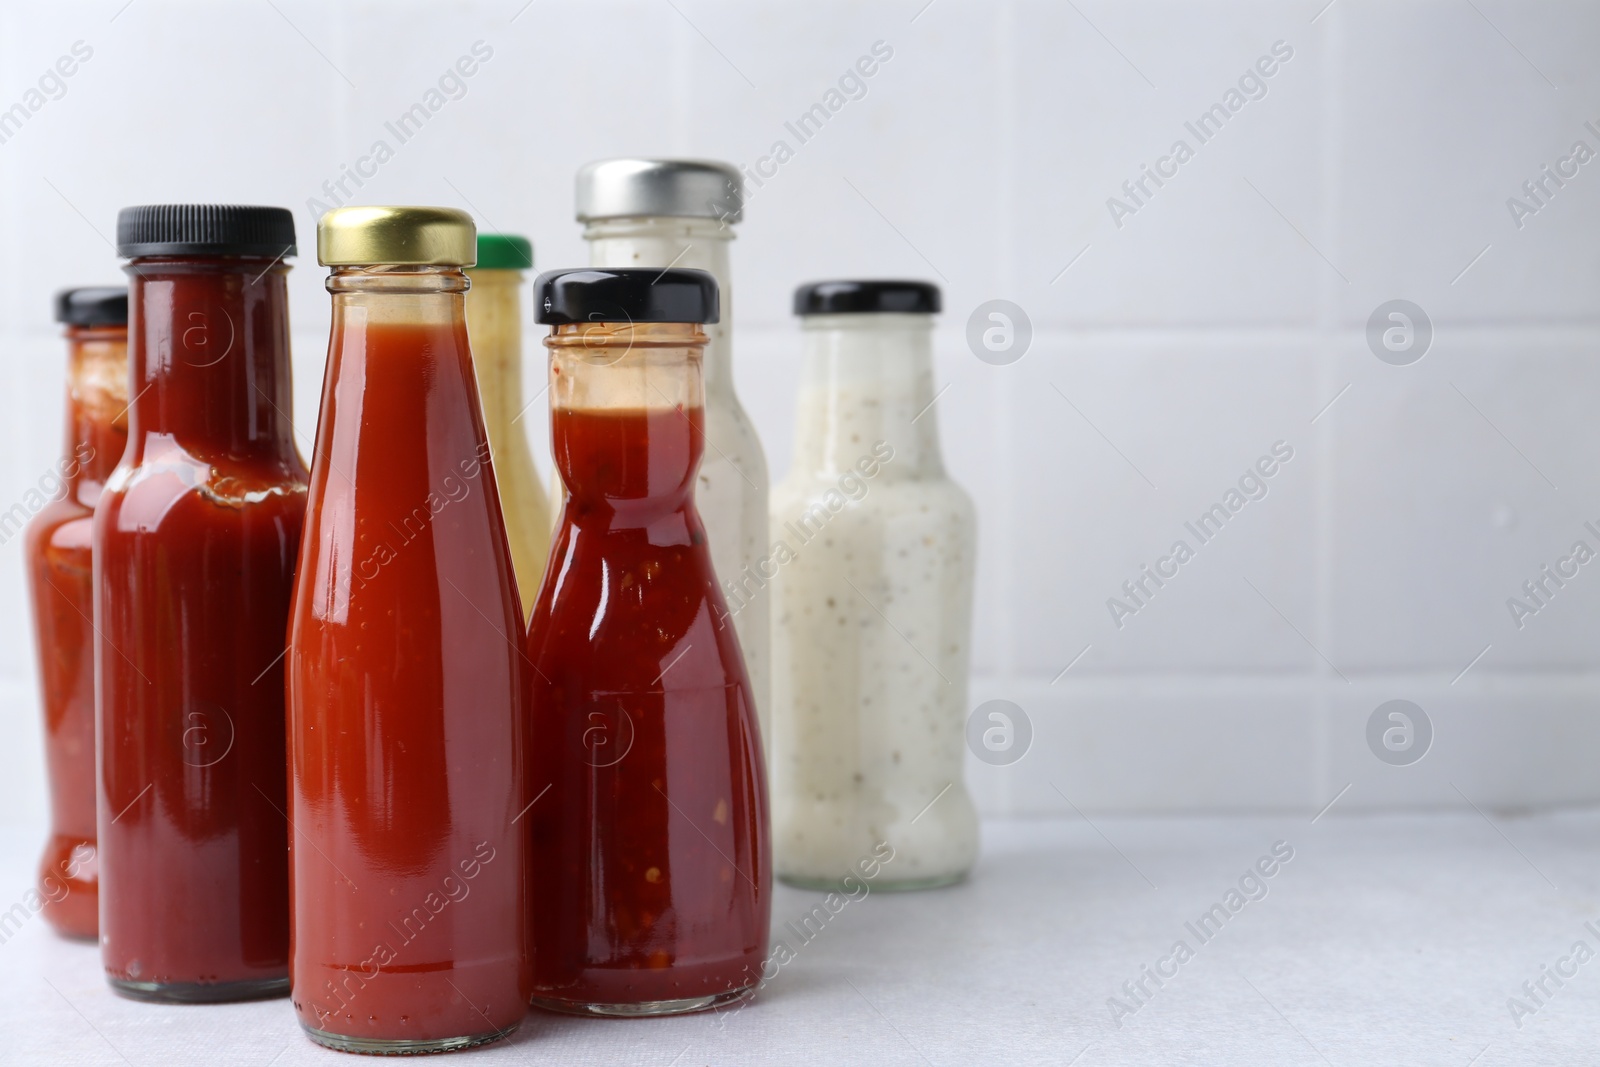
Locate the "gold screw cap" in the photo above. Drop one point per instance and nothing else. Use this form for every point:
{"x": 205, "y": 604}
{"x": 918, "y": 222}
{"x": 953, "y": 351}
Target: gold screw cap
{"x": 403, "y": 236}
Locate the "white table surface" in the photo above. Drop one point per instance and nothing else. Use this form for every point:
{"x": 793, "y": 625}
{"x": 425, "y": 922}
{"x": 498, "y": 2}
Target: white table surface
{"x": 1386, "y": 940}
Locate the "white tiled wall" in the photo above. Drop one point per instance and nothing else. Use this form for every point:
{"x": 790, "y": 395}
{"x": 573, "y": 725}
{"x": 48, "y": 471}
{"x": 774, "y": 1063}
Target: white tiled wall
{"x": 1169, "y": 352}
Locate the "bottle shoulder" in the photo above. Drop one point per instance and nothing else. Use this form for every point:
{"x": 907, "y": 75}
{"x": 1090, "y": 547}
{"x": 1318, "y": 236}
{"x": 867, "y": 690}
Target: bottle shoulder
{"x": 731, "y": 438}
{"x": 880, "y": 497}
{"x": 169, "y": 455}
{"x": 58, "y": 512}
{"x": 146, "y": 493}
{"x": 63, "y": 523}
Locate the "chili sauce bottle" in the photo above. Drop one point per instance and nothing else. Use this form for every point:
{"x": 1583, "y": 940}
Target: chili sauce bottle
{"x": 406, "y": 671}
{"x": 61, "y": 586}
{"x": 494, "y": 324}
{"x": 649, "y": 859}
{"x": 680, "y": 213}
{"x": 872, "y": 604}
{"x": 195, "y": 537}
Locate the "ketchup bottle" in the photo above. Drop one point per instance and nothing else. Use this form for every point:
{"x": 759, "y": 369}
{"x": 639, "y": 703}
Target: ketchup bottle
{"x": 61, "y": 581}
{"x": 406, "y": 675}
{"x": 649, "y": 859}
{"x": 195, "y": 539}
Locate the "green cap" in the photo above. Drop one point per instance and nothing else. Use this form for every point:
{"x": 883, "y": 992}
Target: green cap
{"x": 504, "y": 251}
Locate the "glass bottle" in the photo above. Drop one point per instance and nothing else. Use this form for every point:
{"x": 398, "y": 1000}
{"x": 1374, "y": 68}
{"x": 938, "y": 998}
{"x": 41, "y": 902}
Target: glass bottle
{"x": 494, "y": 324}
{"x": 406, "y": 681}
{"x": 194, "y": 545}
{"x": 649, "y": 859}
{"x": 61, "y": 585}
{"x": 680, "y": 213}
{"x": 872, "y": 604}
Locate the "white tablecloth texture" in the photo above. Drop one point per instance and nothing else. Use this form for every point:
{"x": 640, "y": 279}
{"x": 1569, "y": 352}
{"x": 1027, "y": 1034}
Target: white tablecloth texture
{"x": 1403, "y": 939}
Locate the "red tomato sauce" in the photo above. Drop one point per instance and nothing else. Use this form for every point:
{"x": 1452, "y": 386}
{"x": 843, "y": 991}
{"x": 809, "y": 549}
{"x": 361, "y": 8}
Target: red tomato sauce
{"x": 405, "y": 702}
{"x": 61, "y": 582}
{"x": 195, "y": 540}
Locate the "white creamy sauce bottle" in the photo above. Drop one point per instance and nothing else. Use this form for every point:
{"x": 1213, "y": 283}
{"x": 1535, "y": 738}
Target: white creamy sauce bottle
{"x": 679, "y": 213}
{"x": 871, "y": 604}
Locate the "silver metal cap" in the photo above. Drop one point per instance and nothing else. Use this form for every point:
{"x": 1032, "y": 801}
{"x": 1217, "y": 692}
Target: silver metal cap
{"x": 675, "y": 188}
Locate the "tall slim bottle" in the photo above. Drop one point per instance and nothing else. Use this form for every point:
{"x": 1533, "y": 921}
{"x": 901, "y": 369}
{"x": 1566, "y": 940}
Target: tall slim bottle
{"x": 195, "y": 539}
{"x": 680, "y": 213}
{"x": 61, "y": 584}
{"x": 494, "y": 324}
{"x": 406, "y": 683}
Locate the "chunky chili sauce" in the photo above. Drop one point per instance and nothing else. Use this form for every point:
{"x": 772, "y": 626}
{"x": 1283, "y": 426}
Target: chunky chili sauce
{"x": 649, "y": 864}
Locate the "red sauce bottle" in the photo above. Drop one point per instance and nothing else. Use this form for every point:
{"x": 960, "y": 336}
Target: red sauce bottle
{"x": 195, "y": 539}
{"x": 61, "y": 582}
{"x": 649, "y": 861}
{"x": 406, "y": 679}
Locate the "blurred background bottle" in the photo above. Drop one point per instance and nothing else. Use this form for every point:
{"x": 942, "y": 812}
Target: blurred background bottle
{"x": 680, "y": 213}
{"x": 494, "y": 325}
{"x": 61, "y": 581}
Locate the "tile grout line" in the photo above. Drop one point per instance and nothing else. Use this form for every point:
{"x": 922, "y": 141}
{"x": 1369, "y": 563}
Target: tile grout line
{"x": 1506, "y": 333}
{"x": 1270, "y": 682}
{"x": 1322, "y": 505}
{"x": 1331, "y": 56}
{"x": 1003, "y": 394}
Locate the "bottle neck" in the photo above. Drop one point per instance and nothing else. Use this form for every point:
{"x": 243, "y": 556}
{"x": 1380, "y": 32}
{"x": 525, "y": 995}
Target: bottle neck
{"x": 867, "y": 378}
{"x": 97, "y": 407}
{"x": 384, "y": 315}
{"x": 627, "y": 419}
{"x": 494, "y": 324}
{"x": 209, "y": 354}
{"x": 699, "y": 243}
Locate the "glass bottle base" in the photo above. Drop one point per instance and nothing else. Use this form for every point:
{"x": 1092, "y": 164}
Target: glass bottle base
{"x": 372, "y": 1046}
{"x": 877, "y": 885}
{"x": 644, "y": 1008}
{"x": 201, "y": 992}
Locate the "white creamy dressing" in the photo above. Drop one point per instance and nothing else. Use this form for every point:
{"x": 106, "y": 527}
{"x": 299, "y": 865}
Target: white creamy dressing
{"x": 731, "y": 493}
{"x": 871, "y": 611}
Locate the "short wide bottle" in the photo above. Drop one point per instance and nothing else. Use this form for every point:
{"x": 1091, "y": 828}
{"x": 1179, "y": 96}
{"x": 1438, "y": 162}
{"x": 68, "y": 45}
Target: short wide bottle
{"x": 405, "y": 672}
{"x": 872, "y": 605}
{"x": 649, "y": 852}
